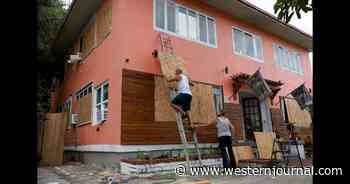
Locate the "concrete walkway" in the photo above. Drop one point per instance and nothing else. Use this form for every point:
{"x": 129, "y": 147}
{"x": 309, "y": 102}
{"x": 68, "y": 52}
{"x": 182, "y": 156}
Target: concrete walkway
{"x": 86, "y": 174}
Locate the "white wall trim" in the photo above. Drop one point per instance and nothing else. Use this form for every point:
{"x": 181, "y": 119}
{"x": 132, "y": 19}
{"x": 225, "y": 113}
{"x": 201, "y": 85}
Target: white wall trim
{"x": 131, "y": 148}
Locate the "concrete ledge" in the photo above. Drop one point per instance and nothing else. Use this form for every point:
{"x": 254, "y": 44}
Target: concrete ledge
{"x": 116, "y": 148}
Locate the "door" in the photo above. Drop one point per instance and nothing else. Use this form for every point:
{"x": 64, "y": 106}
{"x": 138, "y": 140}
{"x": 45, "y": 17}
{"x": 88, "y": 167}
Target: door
{"x": 252, "y": 117}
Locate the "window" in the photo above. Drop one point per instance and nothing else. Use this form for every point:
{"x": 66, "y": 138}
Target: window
{"x": 68, "y": 108}
{"x": 247, "y": 44}
{"x": 84, "y": 91}
{"x": 184, "y": 22}
{"x": 102, "y": 102}
{"x": 211, "y": 31}
{"x": 287, "y": 60}
{"x": 203, "y": 28}
{"x": 192, "y": 25}
{"x": 217, "y": 92}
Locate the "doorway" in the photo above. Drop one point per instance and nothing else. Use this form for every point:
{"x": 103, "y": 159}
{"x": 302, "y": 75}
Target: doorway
{"x": 251, "y": 116}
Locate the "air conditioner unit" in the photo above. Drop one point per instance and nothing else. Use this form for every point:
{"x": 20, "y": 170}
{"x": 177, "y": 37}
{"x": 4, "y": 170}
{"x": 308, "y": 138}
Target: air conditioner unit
{"x": 75, "y": 119}
{"x": 74, "y": 58}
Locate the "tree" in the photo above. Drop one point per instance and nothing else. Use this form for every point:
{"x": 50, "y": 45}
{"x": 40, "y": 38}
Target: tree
{"x": 51, "y": 14}
{"x": 285, "y": 9}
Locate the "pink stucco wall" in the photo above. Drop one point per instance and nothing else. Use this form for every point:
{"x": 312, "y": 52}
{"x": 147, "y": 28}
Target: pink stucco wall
{"x": 133, "y": 37}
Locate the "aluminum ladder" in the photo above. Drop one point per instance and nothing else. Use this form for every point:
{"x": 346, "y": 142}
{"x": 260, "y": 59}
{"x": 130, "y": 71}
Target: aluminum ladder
{"x": 182, "y": 132}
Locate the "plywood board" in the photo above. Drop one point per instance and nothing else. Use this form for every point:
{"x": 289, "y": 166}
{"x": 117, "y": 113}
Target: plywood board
{"x": 264, "y": 142}
{"x": 243, "y": 153}
{"x": 202, "y": 106}
{"x": 202, "y": 109}
{"x": 163, "y": 110}
{"x": 296, "y": 115}
{"x": 104, "y": 20}
{"x": 89, "y": 39}
{"x": 85, "y": 108}
{"x": 53, "y": 139}
{"x": 169, "y": 63}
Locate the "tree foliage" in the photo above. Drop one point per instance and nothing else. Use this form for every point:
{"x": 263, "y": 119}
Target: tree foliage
{"x": 50, "y": 17}
{"x": 51, "y": 14}
{"x": 286, "y": 9}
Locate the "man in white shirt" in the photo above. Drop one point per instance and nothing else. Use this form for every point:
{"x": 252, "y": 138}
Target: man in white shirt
{"x": 225, "y": 131}
{"x": 182, "y": 102}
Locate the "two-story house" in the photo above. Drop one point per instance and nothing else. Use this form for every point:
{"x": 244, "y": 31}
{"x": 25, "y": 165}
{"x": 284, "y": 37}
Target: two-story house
{"x": 112, "y": 87}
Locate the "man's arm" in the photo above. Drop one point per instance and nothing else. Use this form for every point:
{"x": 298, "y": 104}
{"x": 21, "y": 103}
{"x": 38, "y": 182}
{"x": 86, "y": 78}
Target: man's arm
{"x": 191, "y": 83}
{"x": 176, "y": 78}
{"x": 232, "y": 128}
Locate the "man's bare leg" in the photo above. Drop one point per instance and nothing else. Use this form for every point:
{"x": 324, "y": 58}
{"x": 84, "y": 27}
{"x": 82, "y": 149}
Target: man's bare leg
{"x": 178, "y": 109}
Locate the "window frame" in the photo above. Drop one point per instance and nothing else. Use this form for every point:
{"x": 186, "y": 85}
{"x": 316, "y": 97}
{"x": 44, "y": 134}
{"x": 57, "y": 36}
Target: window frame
{"x": 176, "y": 34}
{"x": 254, "y": 43}
{"x": 297, "y": 59}
{"x": 95, "y": 104}
{"x": 82, "y": 89}
{"x": 218, "y": 88}
{"x": 69, "y": 101}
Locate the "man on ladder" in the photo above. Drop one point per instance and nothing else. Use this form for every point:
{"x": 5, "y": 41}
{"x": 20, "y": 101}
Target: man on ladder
{"x": 182, "y": 102}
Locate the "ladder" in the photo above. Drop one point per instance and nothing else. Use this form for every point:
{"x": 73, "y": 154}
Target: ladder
{"x": 182, "y": 132}
{"x": 166, "y": 46}
{"x": 285, "y": 151}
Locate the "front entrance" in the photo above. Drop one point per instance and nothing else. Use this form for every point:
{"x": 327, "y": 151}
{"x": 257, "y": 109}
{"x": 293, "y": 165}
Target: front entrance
{"x": 251, "y": 116}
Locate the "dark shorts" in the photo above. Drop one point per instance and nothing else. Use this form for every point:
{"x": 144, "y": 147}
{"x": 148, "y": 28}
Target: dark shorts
{"x": 183, "y": 100}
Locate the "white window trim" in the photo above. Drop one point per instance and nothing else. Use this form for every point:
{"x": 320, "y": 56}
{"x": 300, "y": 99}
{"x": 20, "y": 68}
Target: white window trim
{"x": 244, "y": 55}
{"x": 176, "y": 27}
{"x": 300, "y": 62}
{"x": 221, "y": 96}
{"x": 96, "y": 122}
{"x": 90, "y": 83}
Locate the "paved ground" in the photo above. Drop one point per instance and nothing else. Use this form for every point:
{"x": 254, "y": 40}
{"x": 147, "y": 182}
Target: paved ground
{"x": 76, "y": 173}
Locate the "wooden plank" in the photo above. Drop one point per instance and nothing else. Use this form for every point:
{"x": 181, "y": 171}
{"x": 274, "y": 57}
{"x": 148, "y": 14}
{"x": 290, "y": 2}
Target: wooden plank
{"x": 264, "y": 141}
{"x": 53, "y": 139}
{"x": 296, "y": 115}
{"x": 243, "y": 153}
{"x": 138, "y": 121}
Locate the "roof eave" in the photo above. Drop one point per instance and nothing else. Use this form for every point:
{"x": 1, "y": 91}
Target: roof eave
{"x": 249, "y": 13}
{"x": 79, "y": 14}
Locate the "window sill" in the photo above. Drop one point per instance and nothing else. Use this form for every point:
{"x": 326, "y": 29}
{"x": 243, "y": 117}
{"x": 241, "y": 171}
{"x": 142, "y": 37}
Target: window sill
{"x": 185, "y": 38}
{"x": 286, "y": 69}
{"x": 249, "y": 57}
{"x": 84, "y": 123}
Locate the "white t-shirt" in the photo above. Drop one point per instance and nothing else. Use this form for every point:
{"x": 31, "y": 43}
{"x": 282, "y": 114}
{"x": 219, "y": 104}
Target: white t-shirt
{"x": 183, "y": 86}
{"x": 223, "y": 127}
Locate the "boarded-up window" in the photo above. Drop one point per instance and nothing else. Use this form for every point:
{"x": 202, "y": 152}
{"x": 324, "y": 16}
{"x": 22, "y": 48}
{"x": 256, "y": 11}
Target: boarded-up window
{"x": 84, "y": 108}
{"x": 84, "y": 98}
{"x": 88, "y": 42}
{"x": 104, "y": 20}
{"x": 295, "y": 115}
